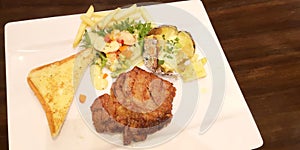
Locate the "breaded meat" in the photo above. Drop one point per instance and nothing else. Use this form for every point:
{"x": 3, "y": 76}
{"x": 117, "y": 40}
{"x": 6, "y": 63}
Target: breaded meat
{"x": 140, "y": 104}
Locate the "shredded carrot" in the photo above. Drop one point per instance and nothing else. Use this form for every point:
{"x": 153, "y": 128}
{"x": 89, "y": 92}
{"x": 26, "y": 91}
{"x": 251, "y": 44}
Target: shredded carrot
{"x": 123, "y": 48}
{"x": 105, "y": 75}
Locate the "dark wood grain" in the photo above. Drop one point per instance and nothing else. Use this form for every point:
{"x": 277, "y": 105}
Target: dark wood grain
{"x": 261, "y": 39}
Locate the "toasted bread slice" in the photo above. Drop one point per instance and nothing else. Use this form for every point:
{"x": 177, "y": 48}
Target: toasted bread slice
{"x": 55, "y": 84}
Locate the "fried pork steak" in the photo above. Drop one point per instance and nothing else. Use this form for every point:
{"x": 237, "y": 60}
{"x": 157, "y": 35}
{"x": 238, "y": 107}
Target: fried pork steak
{"x": 140, "y": 104}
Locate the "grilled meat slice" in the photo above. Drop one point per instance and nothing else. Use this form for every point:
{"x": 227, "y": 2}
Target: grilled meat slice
{"x": 140, "y": 104}
{"x": 104, "y": 123}
{"x": 141, "y": 99}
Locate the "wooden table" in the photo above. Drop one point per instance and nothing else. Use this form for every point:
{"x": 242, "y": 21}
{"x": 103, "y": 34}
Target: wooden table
{"x": 261, "y": 39}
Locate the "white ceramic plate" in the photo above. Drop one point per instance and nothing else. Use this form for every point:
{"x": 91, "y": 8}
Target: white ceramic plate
{"x": 33, "y": 43}
{"x": 187, "y": 95}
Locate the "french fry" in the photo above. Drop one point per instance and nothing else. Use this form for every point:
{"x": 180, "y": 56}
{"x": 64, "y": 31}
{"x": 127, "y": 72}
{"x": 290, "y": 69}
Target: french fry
{"x": 146, "y": 16}
{"x": 82, "y": 27}
{"x": 85, "y": 19}
{"x": 126, "y": 12}
{"x": 90, "y": 11}
{"x": 79, "y": 34}
{"x": 97, "y": 19}
{"x": 135, "y": 16}
{"x": 107, "y": 18}
{"x": 100, "y": 14}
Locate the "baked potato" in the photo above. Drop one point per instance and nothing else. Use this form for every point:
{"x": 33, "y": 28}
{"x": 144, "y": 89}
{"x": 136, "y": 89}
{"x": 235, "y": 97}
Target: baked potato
{"x": 168, "y": 51}
{"x": 169, "y": 32}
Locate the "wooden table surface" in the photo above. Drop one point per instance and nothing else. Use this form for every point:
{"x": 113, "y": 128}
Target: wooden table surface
{"x": 261, "y": 39}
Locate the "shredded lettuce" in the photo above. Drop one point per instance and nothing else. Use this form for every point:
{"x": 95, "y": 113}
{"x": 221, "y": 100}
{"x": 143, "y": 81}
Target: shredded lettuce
{"x": 100, "y": 59}
{"x": 86, "y": 40}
